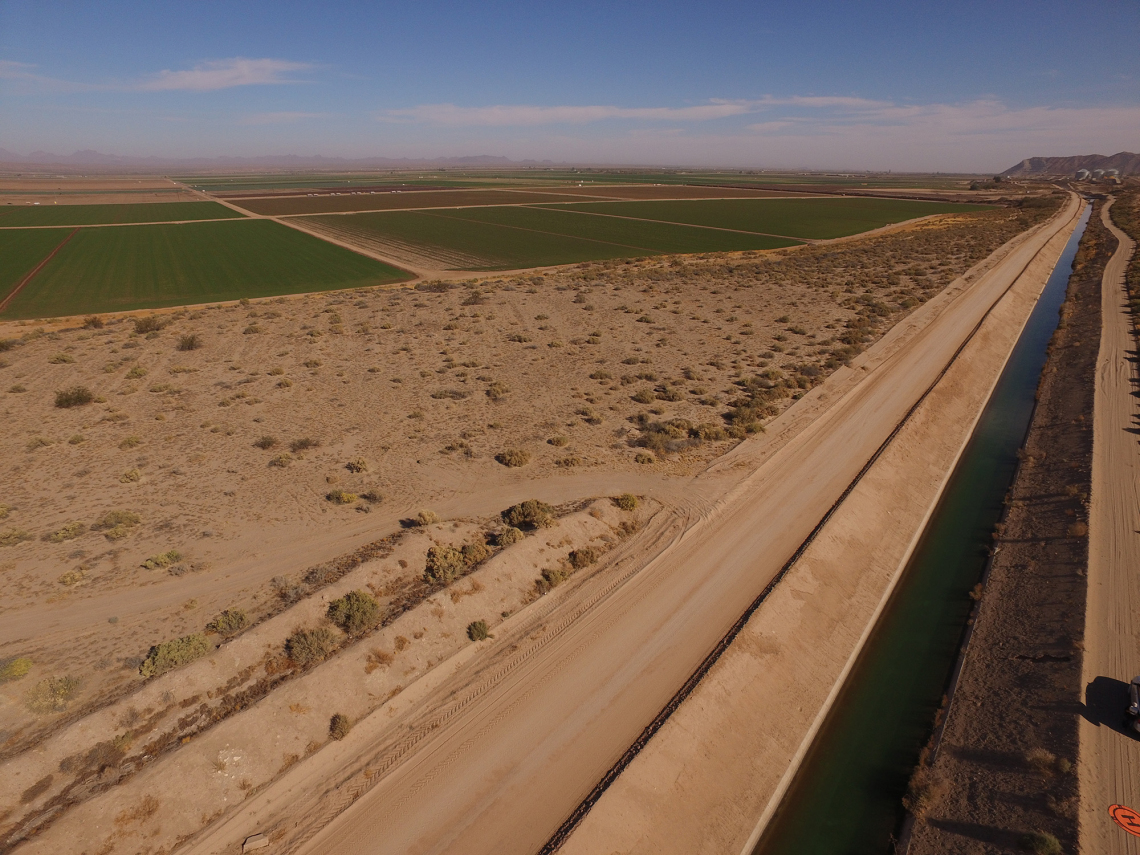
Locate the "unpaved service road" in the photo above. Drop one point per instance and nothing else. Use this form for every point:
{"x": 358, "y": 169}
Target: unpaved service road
{"x": 503, "y": 768}
{"x": 1110, "y": 757}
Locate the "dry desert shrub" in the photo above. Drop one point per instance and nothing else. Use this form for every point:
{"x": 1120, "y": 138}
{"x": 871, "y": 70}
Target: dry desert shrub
{"x": 583, "y": 557}
{"x": 73, "y": 577}
{"x": 497, "y": 390}
{"x": 14, "y": 669}
{"x": 1040, "y": 843}
{"x": 61, "y": 359}
{"x": 558, "y": 441}
{"x": 642, "y": 457}
{"x": 425, "y": 517}
{"x": 265, "y": 443}
{"x": 37, "y": 443}
{"x": 551, "y": 578}
{"x": 509, "y": 536}
{"x": 923, "y": 791}
{"x": 478, "y": 630}
{"x": 444, "y": 565}
{"x": 137, "y": 372}
{"x": 171, "y": 654}
{"x": 190, "y": 341}
{"x": 52, "y": 694}
{"x": 340, "y": 497}
{"x": 149, "y": 324}
{"x": 12, "y": 536}
{"x": 92, "y": 322}
{"x": 281, "y": 461}
{"x": 76, "y": 396}
{"x": 530, "y": 514}
{"x": 377, "y": 658}
{"x": 357, "y": 466}
{"x": 230, "y": 622}
{"x": 626, "y": 501}
{"x": 339, "y": 726}
{"x": 68, "y": 532}
{"x": 162, "y": 560}
{"x": 306, "y": 646}
{"x": 303, "y": 444}
{"x": 355, "y": 612}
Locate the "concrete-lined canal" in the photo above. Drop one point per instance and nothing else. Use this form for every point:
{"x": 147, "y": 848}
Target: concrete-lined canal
{"x": 847, "y": 797}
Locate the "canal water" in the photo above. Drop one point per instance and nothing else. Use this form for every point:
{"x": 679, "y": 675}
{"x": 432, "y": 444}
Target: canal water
{"x": 847, "y": 797}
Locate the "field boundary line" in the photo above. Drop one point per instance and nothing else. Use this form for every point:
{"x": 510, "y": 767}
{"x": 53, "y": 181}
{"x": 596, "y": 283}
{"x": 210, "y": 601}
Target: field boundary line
{"x": 683, "y": 225}
{"x": 32, "y": 275}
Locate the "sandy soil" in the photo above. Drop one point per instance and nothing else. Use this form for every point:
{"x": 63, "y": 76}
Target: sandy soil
{"x": 174, "y": 440}
{"x": 724, "y": 759}
{"x": 1110, "y": 757}
{"x": 60, "y": 190}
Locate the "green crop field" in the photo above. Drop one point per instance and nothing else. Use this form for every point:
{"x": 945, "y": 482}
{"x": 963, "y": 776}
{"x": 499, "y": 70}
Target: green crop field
{"x": 116, "y": 269}
{"x": 378, "y": 201}
{"x": 94, "y": 215}
{"x": 502, "y": 238}
{"x": 21, "y": 251}
{"x": 816, "y": 219}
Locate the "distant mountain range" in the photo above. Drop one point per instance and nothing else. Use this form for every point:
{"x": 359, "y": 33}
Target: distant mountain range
{"x": 93, "y": 159}
{"x": 1126, "y": 162}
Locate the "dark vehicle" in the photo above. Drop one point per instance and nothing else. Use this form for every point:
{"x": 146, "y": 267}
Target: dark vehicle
{"x": 1132, "y": 722}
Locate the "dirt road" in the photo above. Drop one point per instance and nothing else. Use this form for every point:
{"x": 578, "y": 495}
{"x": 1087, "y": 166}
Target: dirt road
{"x": 495, "y": 761}
{"x": 1110, "y": 758}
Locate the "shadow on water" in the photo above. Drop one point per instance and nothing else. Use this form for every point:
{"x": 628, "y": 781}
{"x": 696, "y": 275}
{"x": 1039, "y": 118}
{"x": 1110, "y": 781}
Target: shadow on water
{"x": 847, "y": 797}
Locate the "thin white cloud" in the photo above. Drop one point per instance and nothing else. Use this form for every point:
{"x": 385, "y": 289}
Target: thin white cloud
{"x": 504, "y": 115}
{"x": 224, "y": 74}
{"x": 285, "y": 117}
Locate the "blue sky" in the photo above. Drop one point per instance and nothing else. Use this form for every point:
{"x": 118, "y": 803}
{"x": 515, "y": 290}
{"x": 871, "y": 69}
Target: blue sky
{"x": 950, "y": 86}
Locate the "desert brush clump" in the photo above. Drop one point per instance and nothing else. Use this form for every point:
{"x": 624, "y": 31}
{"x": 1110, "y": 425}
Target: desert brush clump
{"x": 355, "y": 612}
{"x": 341, "y": 497}
{"x": 227, "y": 623}
{"x": 150, "y": 324}
{"x": 426, "y": 517}
{"x": 75, "y": 396}
{"x": 306, "y": 646}
{"x": 339, "y": 726}
{"x": 508, "y": 536}
{"x": 162, "y": 560}
{"x": 303, "y": 444}
{"x": 171, "y": 654}
{"x": 551, "y": 578}
{"x": 68, "y": 532}
{"x": 626, "y": 501}
{"x": 190, "y": 341}
{"x": 1040, "y": 843}
{"x": 12, "y": 536}
{"x": 530, "y": 514}
{"x": 265, "y": 443}
{"x": 513, "y": 457}
{"x": 357, "y": 466}
{"x": 444, "y": 565}
{"x": 478, "y": 630}
{"x": 116, "y": 525}
{"x": 52, "y": 694}
{"x": 14, "y": 669}
{"x": 583, "y": 557}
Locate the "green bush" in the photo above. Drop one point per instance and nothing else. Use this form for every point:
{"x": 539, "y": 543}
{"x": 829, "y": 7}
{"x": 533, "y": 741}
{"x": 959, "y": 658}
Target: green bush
{"x": 529, "y": 514}
{"x": 339, "y": 726}
{"x": 14, "y": 669}
{"x": 355, "y": 612}
{"x": 230, "y": 622}
{"x": 76, "y": 396}
{"x": 52, "y": 695}
{"x": 444, "y": 565}
{"x": 171, "y": 654}
{"x": 626, "y": 501}
{"x": 478, "y": 631}
{"x": 310, "y": 645}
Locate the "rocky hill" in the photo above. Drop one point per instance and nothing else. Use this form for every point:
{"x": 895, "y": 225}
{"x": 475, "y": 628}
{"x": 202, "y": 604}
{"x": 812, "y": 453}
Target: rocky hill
{"x": 1125, "y": 161}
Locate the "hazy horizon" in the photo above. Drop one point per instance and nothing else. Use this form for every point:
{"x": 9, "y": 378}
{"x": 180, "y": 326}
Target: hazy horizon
{"x": 816, "y": 86}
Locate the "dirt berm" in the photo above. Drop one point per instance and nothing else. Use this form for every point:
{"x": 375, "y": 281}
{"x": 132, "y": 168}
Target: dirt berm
{"x": 712, "y": 777}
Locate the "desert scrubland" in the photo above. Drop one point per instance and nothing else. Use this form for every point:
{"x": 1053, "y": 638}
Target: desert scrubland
{"x": 165, "y": 470}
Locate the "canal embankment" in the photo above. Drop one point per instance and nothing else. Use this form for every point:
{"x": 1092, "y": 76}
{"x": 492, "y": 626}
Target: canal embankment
{"x": 1001, "y": 768}
{"x": 728, "y": 753}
